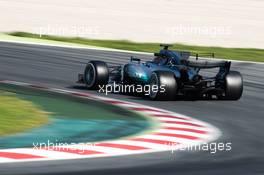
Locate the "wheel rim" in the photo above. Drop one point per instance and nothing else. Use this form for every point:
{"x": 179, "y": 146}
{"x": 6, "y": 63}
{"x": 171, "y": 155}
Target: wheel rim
{"x": 90, "y": 75}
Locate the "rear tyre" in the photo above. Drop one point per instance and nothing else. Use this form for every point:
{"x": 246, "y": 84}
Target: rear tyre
{"x": 163, "y": 86}
{"x": 96, "y": 74}
{"x": 233, "y": 86}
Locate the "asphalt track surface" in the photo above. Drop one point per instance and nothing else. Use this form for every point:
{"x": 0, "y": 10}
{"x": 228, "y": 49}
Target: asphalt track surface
{"x": 241, "y": 122}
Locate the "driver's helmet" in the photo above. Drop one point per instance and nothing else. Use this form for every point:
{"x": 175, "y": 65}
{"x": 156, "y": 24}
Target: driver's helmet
{"x": 160, "y": 60}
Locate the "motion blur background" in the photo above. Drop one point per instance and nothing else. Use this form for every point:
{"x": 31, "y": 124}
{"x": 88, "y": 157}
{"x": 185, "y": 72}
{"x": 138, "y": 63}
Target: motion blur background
{"x": 226, "y": 23}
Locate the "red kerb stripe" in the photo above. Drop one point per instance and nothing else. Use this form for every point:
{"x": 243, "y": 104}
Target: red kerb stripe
{"x": 11, "y": 155}
{"x": 147, "y": 109}
{"x": 115, "y": 102}
{"x": 186, "y": 129}
{"x": 183, "y": 123}
{"x": 169, "y": 116}
{"x": 177, "y": 135}
{"x": 122, "y": 146}
{"x": 74, "y": 151}
{"x": 162, "y": 142}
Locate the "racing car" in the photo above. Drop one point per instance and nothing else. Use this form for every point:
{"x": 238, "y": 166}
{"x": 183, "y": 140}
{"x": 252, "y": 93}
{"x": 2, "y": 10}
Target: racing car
{"x": 175, "y": 73}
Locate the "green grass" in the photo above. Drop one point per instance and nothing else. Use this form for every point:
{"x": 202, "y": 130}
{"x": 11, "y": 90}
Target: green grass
{"x": 64, "y": 106}
{"x": 18, "y": 115}
{"x": 71, "y": 119}
{"x": 245, "y": 54}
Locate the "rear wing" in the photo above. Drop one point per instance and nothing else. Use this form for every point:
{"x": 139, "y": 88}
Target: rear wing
{"x": 206, "y": 54}
{"x": 203, "y": 64}
{"x": 224, "y": 66}
{"x": 186, "y": 54}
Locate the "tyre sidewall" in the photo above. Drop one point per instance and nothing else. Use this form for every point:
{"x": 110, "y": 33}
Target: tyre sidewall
{"x": 168, "y": 81}
{"x": 233, "y": 85}
{"x": 100, "y": 74}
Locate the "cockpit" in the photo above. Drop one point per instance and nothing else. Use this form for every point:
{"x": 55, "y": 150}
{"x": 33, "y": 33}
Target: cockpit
{"x": 167, "y": 56}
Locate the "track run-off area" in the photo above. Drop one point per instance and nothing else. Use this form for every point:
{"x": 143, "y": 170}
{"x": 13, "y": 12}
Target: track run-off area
{"x": 174, "y": 131}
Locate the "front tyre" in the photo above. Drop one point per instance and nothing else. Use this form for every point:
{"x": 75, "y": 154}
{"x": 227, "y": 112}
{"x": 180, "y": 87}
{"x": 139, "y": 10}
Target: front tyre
{"x": 163, "y": 86}
{"x": 233, "y": 86}
{"x": 96, "y": 74}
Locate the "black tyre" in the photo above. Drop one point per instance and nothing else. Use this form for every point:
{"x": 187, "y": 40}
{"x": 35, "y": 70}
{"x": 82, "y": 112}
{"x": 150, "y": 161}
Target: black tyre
{"x": 96, "y": 74}
{"x": 166, "y": 86}
{"x": 233, "y": 86}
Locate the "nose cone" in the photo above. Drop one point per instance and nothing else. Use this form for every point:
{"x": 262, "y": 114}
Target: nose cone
{"x": 138, "y": 74}
{"x": 142, "y": 76}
